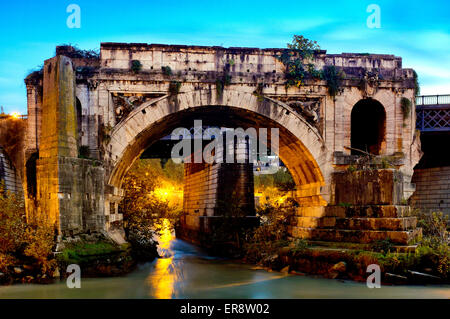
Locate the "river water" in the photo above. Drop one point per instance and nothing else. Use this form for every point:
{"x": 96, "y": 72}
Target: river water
{"x": 185, "y": 271}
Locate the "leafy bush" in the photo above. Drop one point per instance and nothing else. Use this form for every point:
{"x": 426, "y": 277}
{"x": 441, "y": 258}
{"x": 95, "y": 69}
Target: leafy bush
{"x": 303, "y": 46}
{"x": 300, "y": 50}
{"x": 142, "y": 209}
{"x": 299, "y": 245}
{"x": 333, "y": 77}
{"x": 12, "y": 221}
{"x": 434, "y": 225}
{"x": 383, "y": 246}
{"x": 23, "y": 240}
{"x": 136, "y": 66}
{"x": 272, "y": 234}
{"x": 174, "y": 87}
{"x": 166, "y": 70}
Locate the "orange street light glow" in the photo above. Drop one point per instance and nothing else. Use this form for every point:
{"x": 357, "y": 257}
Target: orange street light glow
{"x": 15, "y": 115}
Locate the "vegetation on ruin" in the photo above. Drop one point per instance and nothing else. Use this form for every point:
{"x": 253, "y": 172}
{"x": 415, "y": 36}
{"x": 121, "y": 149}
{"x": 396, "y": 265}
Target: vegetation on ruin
{"x": 222, "y": 82}
{"x": 298, "y": 60}
{"x": 174, "y": 87}
{"x": 405, "y": 104}
{"x": 333, "y": 77}
{"x": 136, "y": 66}
{"x": 166, "y": 70}
{"x": 259, "y": 91}
{"x": 72, "y": 51}
{"x": 105, "y": 133}
{"x": 83, "y": 251}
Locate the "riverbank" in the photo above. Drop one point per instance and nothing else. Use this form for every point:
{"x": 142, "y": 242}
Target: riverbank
{"x": 189, "y": 273}
{"x": 412, "y": 266}
{"x": 96, "y": 255}
{"x": 99, "y": 257}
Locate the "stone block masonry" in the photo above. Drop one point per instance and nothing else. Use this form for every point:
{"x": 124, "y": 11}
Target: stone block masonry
{"x": 366, "y": 206}
{"x": 70, "y": 190}
{"x": 115, "y": 113}
{"x": 432, "y": 189}
{"x": 213, "y": 191}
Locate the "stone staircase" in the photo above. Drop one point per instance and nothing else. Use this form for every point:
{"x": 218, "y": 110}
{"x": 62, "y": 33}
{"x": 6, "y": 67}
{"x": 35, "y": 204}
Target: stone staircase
{"x": 365, "y": 206}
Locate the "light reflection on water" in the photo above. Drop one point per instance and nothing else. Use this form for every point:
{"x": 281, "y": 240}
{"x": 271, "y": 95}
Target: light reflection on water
{"x": 164, "y": 275}
{"x": 186, "y": 271}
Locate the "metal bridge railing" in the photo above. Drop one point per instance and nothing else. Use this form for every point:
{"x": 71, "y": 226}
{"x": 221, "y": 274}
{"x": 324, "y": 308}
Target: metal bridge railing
{"x": 433, "y": 99}
{"x": 433, "y": 113}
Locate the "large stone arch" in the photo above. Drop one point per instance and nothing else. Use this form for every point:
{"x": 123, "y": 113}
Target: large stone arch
{"x": 301, "y": 147}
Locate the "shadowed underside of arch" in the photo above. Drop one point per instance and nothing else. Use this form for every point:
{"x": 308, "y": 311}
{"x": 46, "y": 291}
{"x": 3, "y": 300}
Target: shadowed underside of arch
{"x": 301, "y": 147}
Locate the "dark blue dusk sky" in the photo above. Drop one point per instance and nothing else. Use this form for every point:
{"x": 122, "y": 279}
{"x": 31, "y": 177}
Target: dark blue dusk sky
{"x": 418, "y": 31}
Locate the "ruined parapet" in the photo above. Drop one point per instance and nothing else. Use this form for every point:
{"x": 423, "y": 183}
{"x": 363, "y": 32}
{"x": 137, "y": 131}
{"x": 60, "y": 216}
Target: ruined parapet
{"x": 366, "y": 206}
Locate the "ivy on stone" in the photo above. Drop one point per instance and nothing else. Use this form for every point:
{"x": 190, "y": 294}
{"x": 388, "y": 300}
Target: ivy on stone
{"x": 405, "y": 103}
{"x": 334, "y": 78}
{"x": 136, "y": 66}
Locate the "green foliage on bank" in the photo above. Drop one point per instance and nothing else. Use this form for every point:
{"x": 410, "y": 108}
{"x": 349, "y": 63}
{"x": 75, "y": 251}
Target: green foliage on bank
{"x": 82, "y": 251}
{"x": 282, "y": 180}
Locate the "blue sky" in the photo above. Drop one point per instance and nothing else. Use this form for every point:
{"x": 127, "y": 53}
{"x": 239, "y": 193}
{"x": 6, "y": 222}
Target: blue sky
{"x": 418, "y": 31}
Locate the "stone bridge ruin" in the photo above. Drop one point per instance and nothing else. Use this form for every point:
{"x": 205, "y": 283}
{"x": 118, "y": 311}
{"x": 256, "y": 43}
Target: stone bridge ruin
{"x": 116, "y": 105}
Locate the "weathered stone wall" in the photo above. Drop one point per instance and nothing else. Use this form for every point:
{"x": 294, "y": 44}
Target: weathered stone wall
{"x": 81, "y": 192}
{"x": 365, "y": 206}
{"x": 432, "y": 189}
{"x": 70, "y": 190}
{"x": 9, "y": 174}
{"x": 124, "y": 111}
{"x": 212, "y": 190}
{"x": 58, "y": 136}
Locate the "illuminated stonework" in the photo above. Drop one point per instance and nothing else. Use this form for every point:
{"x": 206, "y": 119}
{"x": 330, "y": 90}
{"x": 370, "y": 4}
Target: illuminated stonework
{"x": 102, "y": 105}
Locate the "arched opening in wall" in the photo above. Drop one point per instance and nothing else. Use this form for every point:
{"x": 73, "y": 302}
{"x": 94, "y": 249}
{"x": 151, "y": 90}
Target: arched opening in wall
{"x": 368, "y": 127}
{"x": 200, "y": 198}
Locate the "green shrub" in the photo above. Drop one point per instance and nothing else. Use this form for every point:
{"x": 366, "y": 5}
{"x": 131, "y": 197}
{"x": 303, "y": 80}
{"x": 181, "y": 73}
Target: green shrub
{"x": 166, "y": 70}
{"x": 334, "y": 78}
{"x": 136, "y": 66}
{"x": 23, "y": 240}
{"x": 272, "y": 233}
{"x": 82, "y": 251}
{"x": 384, "y": 246}
{"x": 174, "y": 87}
